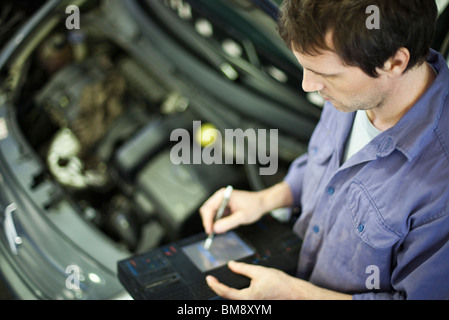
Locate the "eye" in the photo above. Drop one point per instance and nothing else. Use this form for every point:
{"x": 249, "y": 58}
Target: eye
{"x": 326, "y": 76}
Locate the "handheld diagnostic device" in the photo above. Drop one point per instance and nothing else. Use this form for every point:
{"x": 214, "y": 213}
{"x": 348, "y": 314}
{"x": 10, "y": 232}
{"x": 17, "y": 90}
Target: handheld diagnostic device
{"x": 177, "y": 271}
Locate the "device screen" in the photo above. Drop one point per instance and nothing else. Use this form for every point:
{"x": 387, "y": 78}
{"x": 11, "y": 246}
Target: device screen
{"x": 224, "y": 248}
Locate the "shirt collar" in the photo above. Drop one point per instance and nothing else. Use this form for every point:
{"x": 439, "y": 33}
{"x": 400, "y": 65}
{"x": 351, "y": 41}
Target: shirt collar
{"x": 417, "y": 126}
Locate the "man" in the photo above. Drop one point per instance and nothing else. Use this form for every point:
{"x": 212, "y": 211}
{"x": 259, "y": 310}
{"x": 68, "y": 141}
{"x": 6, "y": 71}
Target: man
{"x": 373, "y": 187}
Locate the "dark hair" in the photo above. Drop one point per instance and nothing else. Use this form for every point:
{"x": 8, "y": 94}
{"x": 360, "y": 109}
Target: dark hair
{"x": 303, "y": 25}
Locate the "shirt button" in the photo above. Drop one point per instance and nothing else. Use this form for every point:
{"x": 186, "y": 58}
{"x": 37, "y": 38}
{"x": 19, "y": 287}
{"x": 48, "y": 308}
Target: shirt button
{"x": 361, "y": 227}
{"x": 316, "y": 229}
{"x": 331, "y": 191}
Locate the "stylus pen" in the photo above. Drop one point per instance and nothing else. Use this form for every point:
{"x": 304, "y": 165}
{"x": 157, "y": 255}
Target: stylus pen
{"x": 218, "y": 215}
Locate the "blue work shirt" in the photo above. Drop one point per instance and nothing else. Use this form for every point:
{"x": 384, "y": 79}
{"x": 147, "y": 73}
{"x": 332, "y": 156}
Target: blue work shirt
{"x": 377, "y": 226}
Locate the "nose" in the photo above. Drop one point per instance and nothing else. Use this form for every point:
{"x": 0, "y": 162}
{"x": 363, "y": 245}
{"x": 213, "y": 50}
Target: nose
{"x": 311, "y": 82}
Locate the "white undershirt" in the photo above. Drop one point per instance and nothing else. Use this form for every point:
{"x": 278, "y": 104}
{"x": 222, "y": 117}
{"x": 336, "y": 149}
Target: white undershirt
{"x": 362, "y": 133}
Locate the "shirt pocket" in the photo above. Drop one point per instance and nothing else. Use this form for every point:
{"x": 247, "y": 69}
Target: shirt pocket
{"x": 369, "y": 225}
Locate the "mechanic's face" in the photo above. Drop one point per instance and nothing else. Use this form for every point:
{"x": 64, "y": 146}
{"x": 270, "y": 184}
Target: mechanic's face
{"x": 348, "y": 88}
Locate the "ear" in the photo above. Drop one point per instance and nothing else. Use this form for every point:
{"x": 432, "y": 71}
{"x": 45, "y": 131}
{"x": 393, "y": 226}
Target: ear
{"x": 396, "y": 65}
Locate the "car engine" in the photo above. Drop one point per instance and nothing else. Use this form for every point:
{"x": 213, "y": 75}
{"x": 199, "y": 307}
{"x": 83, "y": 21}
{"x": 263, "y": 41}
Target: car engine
{"x": 100, "y": 120}
{"x": 102, "y": 124}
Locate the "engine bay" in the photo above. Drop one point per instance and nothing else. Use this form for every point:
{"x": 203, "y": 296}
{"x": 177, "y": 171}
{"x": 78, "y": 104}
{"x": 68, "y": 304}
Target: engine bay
{"x": 100, "y": 121}
{"x": 106, "y": 128}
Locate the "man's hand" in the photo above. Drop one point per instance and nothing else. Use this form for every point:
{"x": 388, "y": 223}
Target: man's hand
{"x": 266, "y": 283}
{"x": 244, "y": 207}
{"x": 270, "y": 284}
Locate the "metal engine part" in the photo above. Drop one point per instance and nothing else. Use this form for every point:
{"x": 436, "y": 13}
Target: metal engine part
{"x": 65, "y": 164}
{"x": 84, "y": 100}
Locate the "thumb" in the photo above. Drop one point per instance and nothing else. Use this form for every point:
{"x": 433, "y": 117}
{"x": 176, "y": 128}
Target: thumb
{"x": 249, "y": 270}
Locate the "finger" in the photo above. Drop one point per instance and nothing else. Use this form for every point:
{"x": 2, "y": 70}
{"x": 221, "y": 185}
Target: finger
{"x": 223, "y": 290}
{"x": 208, "y": 209}
{"x": 206, "y": 214}
{"x": 228, "y": 223}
